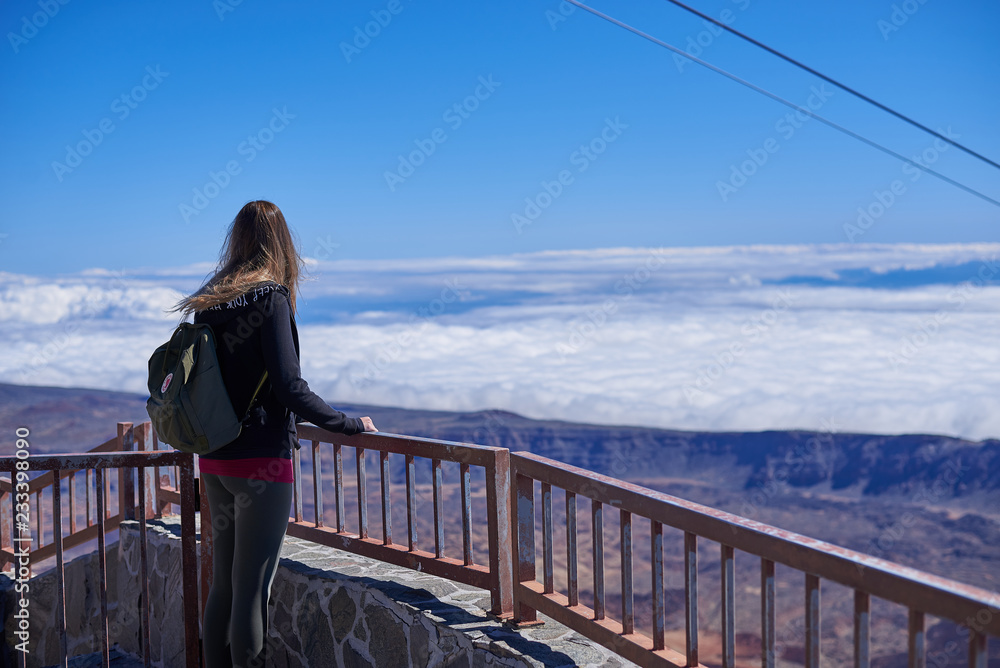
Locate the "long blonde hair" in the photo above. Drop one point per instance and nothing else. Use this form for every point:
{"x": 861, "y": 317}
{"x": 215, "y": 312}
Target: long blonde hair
{"x": 258, "y": 248}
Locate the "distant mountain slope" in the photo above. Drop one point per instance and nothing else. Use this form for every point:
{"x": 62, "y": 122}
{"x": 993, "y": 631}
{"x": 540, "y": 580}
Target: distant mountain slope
{"x": 926, "y": 501}
{"x": 938, "y": 467}
{"x": 872, "y": 464}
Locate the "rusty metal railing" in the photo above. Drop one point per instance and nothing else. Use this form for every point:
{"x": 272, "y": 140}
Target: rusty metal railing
{"x": 95, "y": 464}
{"x": 922, "y": 593}
{"x": 127, "y": 439}
{"x": 494, "y": 574}
{"x": 509, "y": 571}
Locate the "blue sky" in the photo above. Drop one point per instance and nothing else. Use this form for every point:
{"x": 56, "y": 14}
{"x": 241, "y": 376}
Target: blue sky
{"x": 330, "y": 126}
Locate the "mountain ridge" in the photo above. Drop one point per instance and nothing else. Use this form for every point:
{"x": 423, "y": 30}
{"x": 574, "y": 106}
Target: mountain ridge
{"x": 852, "y": 463}
{"x": 926, "y": 501}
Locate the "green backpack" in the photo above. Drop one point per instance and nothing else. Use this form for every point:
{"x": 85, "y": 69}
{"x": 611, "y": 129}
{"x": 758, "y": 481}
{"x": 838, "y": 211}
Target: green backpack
{"x": 188, "y": 403}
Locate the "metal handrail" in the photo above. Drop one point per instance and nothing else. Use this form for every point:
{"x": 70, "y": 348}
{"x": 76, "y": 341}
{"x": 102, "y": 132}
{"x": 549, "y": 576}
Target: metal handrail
{"x": 510, "y": 574}
{"x": 921, "y": 592}
{"x": 124, "y": 462}
{"x": 494, "y": 575}
{"x": 128, "y": 438}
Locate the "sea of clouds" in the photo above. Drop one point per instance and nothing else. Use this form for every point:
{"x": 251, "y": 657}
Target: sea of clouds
{"x": 867, "y": 338}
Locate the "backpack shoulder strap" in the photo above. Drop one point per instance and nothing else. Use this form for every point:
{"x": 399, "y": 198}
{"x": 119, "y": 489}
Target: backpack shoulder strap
{"x": 256, "y": 392}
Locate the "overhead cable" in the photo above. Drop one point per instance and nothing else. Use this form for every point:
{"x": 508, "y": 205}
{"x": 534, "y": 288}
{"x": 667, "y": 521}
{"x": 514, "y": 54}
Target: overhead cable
{"x": 836, "y": 83}
{"x": 787, "y": 103}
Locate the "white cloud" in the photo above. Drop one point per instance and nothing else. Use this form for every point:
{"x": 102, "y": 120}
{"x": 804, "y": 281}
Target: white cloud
{"x": 703, "y": 338}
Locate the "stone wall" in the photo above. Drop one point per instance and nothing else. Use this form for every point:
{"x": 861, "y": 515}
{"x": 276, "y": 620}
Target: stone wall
{"x": 83, "y": 607}
{"x": 83, "y": 602}
{"x": 328, "y": 608}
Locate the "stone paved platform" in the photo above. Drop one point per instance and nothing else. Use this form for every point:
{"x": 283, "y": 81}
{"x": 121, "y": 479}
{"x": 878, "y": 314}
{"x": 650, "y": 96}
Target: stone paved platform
{"x": 453, "y": 610}
{"x": 355, "y": 611}
{"x": 328, "y": 608}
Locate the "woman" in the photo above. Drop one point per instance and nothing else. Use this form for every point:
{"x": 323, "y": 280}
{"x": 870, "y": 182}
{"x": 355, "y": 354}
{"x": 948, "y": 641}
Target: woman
{"x": 250, "y": 304}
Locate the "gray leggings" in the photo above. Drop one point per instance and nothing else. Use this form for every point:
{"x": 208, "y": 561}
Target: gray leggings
{"x": 249, "y": 518}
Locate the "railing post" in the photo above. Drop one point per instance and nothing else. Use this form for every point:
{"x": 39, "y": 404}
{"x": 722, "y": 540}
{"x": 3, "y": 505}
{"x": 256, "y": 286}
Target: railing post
{"x": 522, "y": 525}
{"x": 189, "y": 562}
{"x": 466, "y": 494}
{"x": 656, "y": 559}
{"x": 917, "y": 656}
{"x": 144, "y": 566}
{"x": 126, "y": 482}
{"x": 71, "y": 485}
{"x": 437, "y": 483}
{"x": 149, "y": 484}
{"x": 628, "y": 611}
{"x": 499, "y": 529}
{"x": 359, "y": 456}
{"x": 547, "y": 574}
{"x": 297, "y": 484}
{"x": 91, "y": 496}
{"x": 597, "y": 557}
{"x": 57, "y": 539}
{"x": 39, "y": 518}
{"x": 383, "y": 459}
{"x": 159, "y": 506}
{"x": 728, "y": 610}
{"x": 411, "y": 503}
{"x": 6, "y": 527}
{"x": 862, "y": 629}
{"x": 977, "y": 649}
{"x": 572, "y": 557}
{"x": 317, "y": 472}
{"x": 338, "y": 486}
{"x": 102, "y": 567}
{"x": 207, "y": 545}
{"x": 691, "y": 597}
{"x": 813, "y": 621}
{"x": 767, "y": 655}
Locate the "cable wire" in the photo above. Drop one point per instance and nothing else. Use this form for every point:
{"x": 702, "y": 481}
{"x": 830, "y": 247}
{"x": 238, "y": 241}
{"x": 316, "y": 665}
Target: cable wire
{"x": 836, "y": 83}
{"x": 787, "y": 103}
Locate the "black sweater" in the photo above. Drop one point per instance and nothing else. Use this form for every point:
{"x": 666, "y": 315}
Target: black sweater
{"x": 254, "y": 332}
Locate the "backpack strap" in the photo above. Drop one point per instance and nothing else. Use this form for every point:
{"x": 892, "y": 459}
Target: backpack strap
{"x": 253, "y": 399}
{"x": 179, "y": 335}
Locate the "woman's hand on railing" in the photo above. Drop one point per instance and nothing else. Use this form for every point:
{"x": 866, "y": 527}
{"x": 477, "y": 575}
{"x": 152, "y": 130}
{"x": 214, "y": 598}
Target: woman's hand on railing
{"x": 368, "y": 424}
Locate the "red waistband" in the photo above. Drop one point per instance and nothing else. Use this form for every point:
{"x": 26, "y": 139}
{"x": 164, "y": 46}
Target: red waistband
{"x": 271, "y": 469}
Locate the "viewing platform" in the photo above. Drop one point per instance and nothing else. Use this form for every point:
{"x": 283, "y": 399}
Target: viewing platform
{"x": 495, "y": 558}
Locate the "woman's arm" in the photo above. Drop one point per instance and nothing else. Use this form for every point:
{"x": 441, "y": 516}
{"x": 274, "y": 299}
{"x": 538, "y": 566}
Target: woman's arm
{"x": 284, "y": 373}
